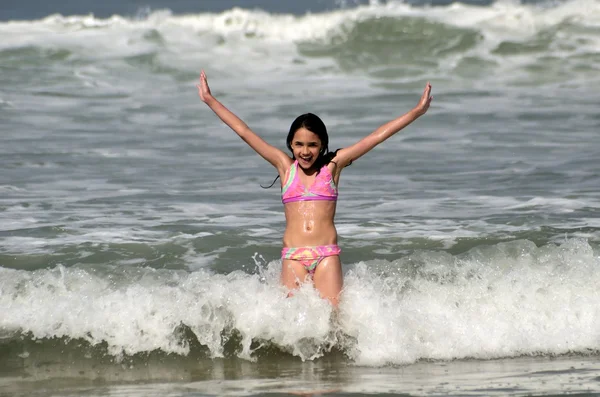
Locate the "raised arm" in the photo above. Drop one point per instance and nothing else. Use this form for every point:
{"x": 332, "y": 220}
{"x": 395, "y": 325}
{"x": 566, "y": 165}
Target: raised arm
{"x": 347, "y": 155}
{"x": 270, "y": 153}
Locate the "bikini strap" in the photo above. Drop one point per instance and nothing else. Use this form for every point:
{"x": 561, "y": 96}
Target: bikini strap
{"x": 291, "y": 175}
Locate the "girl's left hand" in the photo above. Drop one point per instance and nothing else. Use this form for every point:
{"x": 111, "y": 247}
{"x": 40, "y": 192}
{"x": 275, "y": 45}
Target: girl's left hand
{"x": 425, "y": 101}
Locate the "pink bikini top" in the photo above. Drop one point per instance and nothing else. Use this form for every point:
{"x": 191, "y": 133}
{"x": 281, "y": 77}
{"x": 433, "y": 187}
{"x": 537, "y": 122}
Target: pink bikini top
{"x": 323, "y": 188}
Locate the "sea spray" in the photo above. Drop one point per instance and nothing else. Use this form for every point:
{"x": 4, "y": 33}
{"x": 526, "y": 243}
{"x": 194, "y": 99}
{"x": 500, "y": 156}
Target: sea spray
{"x": 502, "y": 300}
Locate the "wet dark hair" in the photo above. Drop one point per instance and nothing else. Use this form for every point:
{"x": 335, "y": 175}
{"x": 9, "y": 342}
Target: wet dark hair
{"x": 314, "y": 124}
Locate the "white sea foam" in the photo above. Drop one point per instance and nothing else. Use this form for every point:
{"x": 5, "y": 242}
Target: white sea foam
{"x": 553, "y": 204}
{"x": 498, "y": 301}
{"x": 505, "y": 300}
{"x": 503, "y": 20}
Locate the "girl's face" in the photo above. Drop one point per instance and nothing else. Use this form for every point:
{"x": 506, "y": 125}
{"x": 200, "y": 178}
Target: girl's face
{"x": 306, "y": 146}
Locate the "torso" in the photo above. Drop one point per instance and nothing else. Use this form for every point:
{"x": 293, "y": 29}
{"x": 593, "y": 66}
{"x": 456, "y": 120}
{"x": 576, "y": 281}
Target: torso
{"x": 310, "y": 223}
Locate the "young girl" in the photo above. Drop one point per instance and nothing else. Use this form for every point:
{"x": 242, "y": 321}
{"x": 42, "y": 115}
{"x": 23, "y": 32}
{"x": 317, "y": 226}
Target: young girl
{"x": 309, "y": 181}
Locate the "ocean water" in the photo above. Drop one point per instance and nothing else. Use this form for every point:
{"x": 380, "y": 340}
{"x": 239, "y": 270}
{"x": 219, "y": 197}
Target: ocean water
{"x": 140, "y": 256}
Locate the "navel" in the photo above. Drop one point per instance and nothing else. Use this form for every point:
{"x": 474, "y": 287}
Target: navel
{"x": 309, "y": 225}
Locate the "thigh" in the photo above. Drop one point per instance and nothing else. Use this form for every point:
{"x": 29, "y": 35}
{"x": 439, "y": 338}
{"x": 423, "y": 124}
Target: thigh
{"x": 328, "y": 278}
{"x": 293, "y": 273}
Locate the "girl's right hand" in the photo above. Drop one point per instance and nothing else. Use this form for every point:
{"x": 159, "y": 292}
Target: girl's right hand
{"x": 203, "y": 89}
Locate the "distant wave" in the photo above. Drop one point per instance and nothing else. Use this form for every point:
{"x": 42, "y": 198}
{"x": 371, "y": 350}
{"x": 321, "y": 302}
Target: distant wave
{"x": 392, "y": 40}
{"x": 384, "y": 22}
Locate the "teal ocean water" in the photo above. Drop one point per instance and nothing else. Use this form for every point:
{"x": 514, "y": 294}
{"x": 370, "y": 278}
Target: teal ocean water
{"x": 140, "y": 256}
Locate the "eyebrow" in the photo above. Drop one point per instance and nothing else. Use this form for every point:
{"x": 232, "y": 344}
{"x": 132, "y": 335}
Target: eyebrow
{"x": 309, "y": 142}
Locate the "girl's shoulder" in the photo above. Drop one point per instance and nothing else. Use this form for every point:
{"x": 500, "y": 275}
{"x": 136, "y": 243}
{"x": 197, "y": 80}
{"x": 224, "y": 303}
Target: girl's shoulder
{"x": 339, "y": 160}
{"x": 285, "y": 165}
